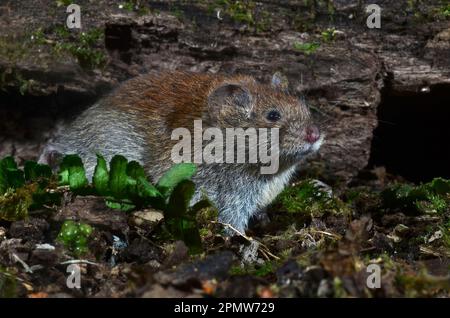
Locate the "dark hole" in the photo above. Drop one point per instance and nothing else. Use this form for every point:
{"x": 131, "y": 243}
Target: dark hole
{"x": 413, "y": 135}
{"x": 28, "y": 116}
{"x": 119, "y": 38}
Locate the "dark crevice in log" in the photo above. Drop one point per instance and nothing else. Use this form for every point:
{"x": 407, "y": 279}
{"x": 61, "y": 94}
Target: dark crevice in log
{"x": 412, "y": 137}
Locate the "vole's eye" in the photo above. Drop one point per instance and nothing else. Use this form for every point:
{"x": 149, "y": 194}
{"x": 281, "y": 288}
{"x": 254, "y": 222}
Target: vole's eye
{"x": 273, "y": 115}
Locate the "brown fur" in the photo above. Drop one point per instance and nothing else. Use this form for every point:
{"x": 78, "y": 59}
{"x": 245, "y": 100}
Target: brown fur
{"x": 138, "y": 118}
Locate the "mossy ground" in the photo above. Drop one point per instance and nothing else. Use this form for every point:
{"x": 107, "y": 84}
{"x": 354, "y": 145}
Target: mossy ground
{"x": 319, "y": 242}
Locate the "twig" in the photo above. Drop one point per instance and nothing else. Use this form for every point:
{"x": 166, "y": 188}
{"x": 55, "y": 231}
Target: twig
{"x": 235, "y": 230}
{"x": 36, "y": 267}
{"x": 429, "y": 251}
{"x": 25, "y": 265}
{"x": 264, "y": 248}
{"x": 336, "y": 236}
{"x": 79, "y": 261}
{"x": 364, "y": 250}
{"x": 12, "y": 276}
{"x": 265, "y": 255}
{"x": 59, "y": 189}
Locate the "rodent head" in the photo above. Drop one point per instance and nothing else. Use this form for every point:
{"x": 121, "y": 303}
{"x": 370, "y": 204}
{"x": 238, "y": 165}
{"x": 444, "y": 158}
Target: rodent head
{"x": 242, "y": 102}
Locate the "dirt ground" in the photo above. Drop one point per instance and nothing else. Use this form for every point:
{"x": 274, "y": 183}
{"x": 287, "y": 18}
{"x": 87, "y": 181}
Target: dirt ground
{"x": 325, "y": 250}
{"x": 319, "y": 239}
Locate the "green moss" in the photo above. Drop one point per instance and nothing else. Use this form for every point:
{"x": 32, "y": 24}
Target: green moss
{"x": 445, "y": 11}
{"x": 263, "y": 21}
{"x": 11, "y": 77}
{"x": 138, "y": 6}
{"x": 265, "y": 269}
{"x": 204, "y": 232}
{"x": 13, "y": 49}
{"x": 60, "y": 31}
{"x": 339, "y": 289}
{"x": 243, "y": 12}
{"x": 308, "y": 198}
{"x": 307, "y": 48}
{"x": 239, "y": 11}
{"x": 177, "y": 13}
{"x": 445, "y": 229}
{"x": 412, "y": 5}
{"x": 385, "y": 261}
{"x": 237, "y": 270}
{"x": 83, "y": 47}
{"x": 21, "y": 190}
{"x": 421, "y": 284}
{"x": 311, "y": 9}
{"x": 65, "y": 3}
{"x": 304, "y": 259}
{"x": 302, "y": 23}
{"x": 433, "y": 204}
{"x": 328, "y": 35}
{"x": 86, "y": 47}
{"x": 75, "y": 236}
{"x": 331, "y": 9}
{"x": 14, "y": 204}
{"x": 261, "y": 270}
{"x": 129, "y": 6}
{"x": 429, "y": 198}
{"x": 206, "y": 215}
{"x": 8, "y": 284}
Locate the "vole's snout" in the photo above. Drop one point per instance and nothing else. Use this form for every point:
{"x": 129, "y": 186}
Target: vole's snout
{"x": 312, "y": 134}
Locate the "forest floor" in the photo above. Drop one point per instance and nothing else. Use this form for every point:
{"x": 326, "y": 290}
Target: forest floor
{"x": 328, "y": 239}
{"x": 315, "y": 243}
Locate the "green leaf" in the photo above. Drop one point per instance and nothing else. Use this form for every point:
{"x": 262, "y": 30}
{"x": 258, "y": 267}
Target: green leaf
{"x": 15, "y": 178}
{"x": 138, "y": 186}
{"x": 41, "y": 174}
{"x": 34, "y": 171}
{"x": 146, "y": 189}
{"x": 100, "y": 179}
{"x": 440, "y": 186}
{"x": 9, "y": 163}
{"x": 119, "y": 205}
{"x": 43, "y": 198}
{"x": 307, "y": 48}
{"x": 125, "y": 185}
{"x": 135, "y": 170}
{"x": 72, "y": 173}
{"x": 191, "y": 236}
{"x": 3, "y": 178}
{"x": 179, "y": 200}
{"x": 180, "y": 223}
{"x": 118, "y": 178}
{"x": 10, "y": 176}
{"x": 8, "y": 284}
{"x": 176, "y": 174}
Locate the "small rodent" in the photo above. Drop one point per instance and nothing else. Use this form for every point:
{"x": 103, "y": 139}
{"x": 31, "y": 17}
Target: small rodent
{"x": 137, "y": 120}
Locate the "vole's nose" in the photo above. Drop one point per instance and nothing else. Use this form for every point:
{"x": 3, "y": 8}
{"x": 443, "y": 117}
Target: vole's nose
{"x": 312, "y": 134}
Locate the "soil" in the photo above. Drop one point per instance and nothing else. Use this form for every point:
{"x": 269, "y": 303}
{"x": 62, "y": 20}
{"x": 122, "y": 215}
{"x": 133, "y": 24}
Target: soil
{"x": 355, "y": 82}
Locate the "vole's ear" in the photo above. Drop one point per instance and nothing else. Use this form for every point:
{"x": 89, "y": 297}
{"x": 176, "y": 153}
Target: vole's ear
{"x": 230, "y": 95}
{"x": 280, "y": 82}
